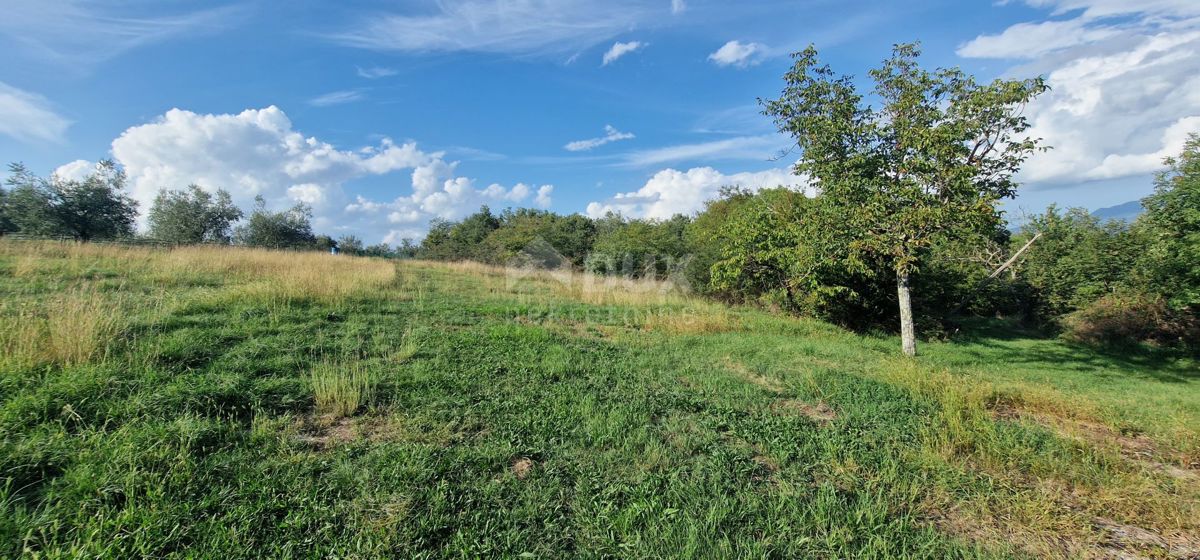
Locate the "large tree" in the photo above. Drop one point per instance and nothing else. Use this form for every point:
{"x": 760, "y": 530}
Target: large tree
{"x": 96, "y": 207}
{"x": 193, "y": 216}
{"x": 930, "y": 161}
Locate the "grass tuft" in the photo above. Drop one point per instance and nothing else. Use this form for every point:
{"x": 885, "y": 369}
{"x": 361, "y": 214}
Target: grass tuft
{"x": 341, "y": 387}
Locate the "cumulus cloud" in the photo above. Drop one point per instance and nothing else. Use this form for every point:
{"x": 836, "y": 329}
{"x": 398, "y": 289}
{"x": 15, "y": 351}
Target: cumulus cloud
{"x": 28, "y": 117}
{"x": 543, "y": 196}
{"x": 611, "y": 134}
{"x": 336, "y": 98}
{"x": 77, "y": 170}
{"x": 619, "y": 50}
{"x": 671, "y": 192}
{"x": 529, "y": 27}
{"x": 739, "y": 54}
{"x": 1125, "y": 79}
{"x": 258, "y": 153}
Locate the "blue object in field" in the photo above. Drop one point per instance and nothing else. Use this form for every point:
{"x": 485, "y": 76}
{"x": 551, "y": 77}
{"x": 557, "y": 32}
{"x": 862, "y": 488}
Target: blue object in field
{"x": 333, "y": 250}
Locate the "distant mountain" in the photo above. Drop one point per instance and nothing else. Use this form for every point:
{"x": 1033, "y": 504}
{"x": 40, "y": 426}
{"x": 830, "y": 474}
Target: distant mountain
{"x": 1127, "y": 211}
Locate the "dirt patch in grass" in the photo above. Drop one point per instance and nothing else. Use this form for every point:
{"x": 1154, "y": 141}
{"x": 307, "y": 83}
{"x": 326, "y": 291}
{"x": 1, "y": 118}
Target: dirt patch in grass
{"x": 747, "y": 374}
{"x": 521, "y": 468}
{"x": 820, "y": 412}
{"x": 1128, "y": 541}
{"x": 327, "y": 431}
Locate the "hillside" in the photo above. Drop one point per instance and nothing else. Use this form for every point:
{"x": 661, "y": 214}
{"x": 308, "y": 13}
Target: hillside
{"x": 241, "y": 403}
{"x": 1127, "y": 211}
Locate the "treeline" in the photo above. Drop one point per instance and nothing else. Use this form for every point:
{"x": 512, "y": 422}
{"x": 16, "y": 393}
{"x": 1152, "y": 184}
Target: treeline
{"x": 99, "y": 208}
{"x": 1112, "y": 282}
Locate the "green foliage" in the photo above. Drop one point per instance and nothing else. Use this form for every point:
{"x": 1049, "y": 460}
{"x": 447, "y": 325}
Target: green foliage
{"x": 639, "y": 248}
{"x": 95, "y": 208}
{"x": 6, "y": 224}
{"x": 193, "y": 216}
{"x": 1077, "y": 260}
{"x": 930, "y": 162}
{"x": 289, "y": 229}
{"x": 350, "y": 245}
{"x": 707, "y": 236}
{"x": 1172, "y": 226}
{"x": 522, "y": 230}
{"x": 463, "y": 240}
{"x": 758, "y": 244}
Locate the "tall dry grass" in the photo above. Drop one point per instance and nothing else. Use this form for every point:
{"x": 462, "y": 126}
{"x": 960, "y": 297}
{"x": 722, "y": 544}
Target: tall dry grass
{"x": 72, "y": 328}
{"x": 74, "y": 298}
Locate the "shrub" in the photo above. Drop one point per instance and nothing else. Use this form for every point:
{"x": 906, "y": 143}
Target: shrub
{"x": 1122, "y": 319}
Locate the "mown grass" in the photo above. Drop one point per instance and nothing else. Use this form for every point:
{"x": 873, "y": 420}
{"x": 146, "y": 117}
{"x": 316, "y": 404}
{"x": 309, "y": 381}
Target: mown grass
{"x": 246, "y": 404}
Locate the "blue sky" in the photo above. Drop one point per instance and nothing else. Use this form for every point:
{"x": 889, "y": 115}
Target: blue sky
{"x": 384, "y": 115}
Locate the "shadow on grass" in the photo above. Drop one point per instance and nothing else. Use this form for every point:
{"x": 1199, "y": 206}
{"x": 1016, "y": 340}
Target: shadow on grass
{"x": 1009, "y": 342}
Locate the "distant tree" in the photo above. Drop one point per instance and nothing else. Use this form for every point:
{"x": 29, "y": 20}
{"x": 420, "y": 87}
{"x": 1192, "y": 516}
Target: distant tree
{"x": 639, "y": 248}
{"x": 350, "y": 245}
{"x": 6, "y": 224}
{"x": 436, "y": 245}
{"x": 379, "y": 250}
{"x": 520, "y": 230}
{"x": 96, "y": 207}
{"x": 408, "y": 249}
{"x": 932, "y": 161}
{"x": 193, "y": 215}
{"x": 289, "y": 229}
{"x": 325, "y": 244}
{"x": 462, "y": 240}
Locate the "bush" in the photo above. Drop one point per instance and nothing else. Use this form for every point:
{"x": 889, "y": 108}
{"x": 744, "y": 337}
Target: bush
{"x": 1126, "y": 319}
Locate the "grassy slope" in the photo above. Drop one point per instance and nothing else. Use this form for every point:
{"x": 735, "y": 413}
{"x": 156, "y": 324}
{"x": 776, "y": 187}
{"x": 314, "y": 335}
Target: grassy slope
{"x": 548, "y": 419}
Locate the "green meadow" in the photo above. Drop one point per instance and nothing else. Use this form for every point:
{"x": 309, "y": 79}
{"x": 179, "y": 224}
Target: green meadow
{"x": 239, "y": 403}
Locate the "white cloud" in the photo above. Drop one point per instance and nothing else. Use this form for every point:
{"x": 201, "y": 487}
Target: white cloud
{"x": 678, "y": 6}
{"x": 526, "y": 27}
{"x": 77, "y": 170}
{"x": 28, "y": 117}
{"x": 80, "y": 32}
{"x": 1095, "y": 9}
{"x": 1031, "y": 40}
{"x": 611, "y": 134}
{"x": 619, "y": 50}
{"x": 759, "y": 148}
{"x": 671, "y": 192}
{"x": 543, "y": 196}
{"x": 736, "y": 53}
{"x": 375, "y": 72}
{"x": 1125, "y": 79}
{"x": 336, "y": 98}
{"x": 257, "y": 152}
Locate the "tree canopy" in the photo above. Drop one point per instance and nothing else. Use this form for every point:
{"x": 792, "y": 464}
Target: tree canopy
{"x": 193, "y": 215}
{"x": 931, "y": 160}
{"x": 289, "y": 229}
{"x": 96, "y": 207}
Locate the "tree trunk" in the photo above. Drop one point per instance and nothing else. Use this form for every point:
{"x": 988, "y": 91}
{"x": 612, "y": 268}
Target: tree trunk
{"x": 908, "y": 335}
